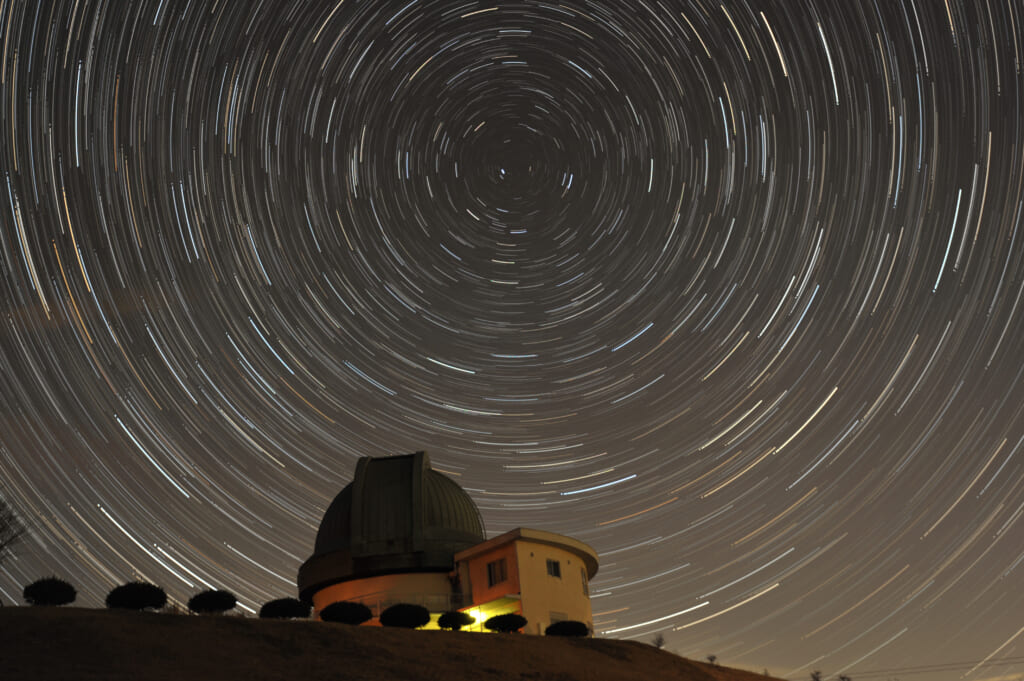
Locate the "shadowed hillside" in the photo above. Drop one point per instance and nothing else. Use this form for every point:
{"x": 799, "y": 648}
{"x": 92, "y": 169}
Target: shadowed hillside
{"x": 51, "y": 644}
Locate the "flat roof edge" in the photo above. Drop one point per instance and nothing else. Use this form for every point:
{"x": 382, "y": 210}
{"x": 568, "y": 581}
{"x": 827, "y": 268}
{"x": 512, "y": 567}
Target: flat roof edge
{"x": 584, "y": 551}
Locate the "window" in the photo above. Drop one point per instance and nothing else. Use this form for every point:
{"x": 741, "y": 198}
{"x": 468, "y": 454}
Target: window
{"x": 583, "y": 576}
{"x": 497, "y": 572}
{"x": 554, "y": 568}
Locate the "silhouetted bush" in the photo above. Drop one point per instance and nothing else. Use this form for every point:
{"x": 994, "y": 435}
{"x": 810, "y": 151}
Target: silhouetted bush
{"x": 455, "y": 620}
{"x": 405, "y": 615}
{"x": 567, "y": 628}
{"x": 506, "y": 623}
{"x": 137, "y": 596}
{"x": 212, "y": 601}
{"x": 346, "y": 612}
{"x": 284, "y": 609}
{"x": 49, "y": 591}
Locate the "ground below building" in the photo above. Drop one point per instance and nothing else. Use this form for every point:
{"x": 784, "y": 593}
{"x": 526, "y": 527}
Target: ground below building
{"x": 55, "y": 644}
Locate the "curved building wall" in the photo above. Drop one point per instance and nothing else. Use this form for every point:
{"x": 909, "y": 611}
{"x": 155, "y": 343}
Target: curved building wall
{"x": 431, "y": 590}
{"x": 547, "y": 598}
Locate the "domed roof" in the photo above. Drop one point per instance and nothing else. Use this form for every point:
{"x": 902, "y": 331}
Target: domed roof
{"x": 397, "y": 515}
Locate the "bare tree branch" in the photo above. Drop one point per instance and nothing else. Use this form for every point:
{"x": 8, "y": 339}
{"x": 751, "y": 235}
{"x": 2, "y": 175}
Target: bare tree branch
{"x": 11, "y": 528}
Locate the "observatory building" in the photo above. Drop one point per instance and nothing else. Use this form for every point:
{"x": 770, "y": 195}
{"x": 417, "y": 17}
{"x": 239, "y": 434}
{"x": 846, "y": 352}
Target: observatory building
{"x": 402, "y": 532}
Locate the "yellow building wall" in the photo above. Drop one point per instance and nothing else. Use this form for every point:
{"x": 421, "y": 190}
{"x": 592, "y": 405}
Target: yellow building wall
{"x": 389, "y": 589}
{"x": 543, "y": 594}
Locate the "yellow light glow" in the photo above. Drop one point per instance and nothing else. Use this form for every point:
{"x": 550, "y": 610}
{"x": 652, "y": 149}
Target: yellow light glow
{"x": 478, "y": 615}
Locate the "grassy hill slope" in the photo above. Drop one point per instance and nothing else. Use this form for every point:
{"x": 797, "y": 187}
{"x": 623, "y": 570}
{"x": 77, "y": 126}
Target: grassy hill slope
{"x": 44, "y": 644}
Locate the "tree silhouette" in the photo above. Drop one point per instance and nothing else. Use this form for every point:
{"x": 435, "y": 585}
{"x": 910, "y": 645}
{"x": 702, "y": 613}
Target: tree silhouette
{"x": 405, "y": 615}
{"x": 455, "y": 620}
{"x": 284, "y": 608}
{"x": 137, "y": 596}
{"x": 815, "y": 675}
{"x": 346, "y": 612}
{"x": 49, "y": 591}
{"x": 212, "y": 601}
{"x": 567, "y": 628}
{"x": 658, "y": 641}
{"x": 506, "y": 624}
{"x": 712, "y": 659}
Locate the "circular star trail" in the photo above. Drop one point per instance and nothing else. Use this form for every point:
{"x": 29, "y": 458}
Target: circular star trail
{"x": 732, "y": 292}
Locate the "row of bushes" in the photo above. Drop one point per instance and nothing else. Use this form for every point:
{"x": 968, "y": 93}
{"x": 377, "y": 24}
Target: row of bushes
{"x": 145, "y": 596}
{"x": 409, "y": 616}
{"x": 130, "y": 596}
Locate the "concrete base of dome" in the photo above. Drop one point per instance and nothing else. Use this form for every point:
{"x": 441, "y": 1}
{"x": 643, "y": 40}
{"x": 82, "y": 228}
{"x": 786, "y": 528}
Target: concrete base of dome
{"x": 432, "y": 590}
{"x": 340, "y": 568}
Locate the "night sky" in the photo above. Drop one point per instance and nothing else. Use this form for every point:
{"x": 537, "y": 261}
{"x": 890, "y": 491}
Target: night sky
{"x": 730, "y": 291}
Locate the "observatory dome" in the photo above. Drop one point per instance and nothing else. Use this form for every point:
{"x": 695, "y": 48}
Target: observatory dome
{"x": 398, "y": 515}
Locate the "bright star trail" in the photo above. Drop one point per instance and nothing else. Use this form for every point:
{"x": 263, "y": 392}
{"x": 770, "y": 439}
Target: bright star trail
{"x": 731, "y": 292}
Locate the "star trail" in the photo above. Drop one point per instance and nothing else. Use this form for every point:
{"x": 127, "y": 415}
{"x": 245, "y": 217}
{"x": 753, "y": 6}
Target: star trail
{"x": 729, "y": 291}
